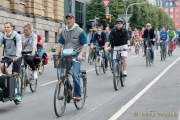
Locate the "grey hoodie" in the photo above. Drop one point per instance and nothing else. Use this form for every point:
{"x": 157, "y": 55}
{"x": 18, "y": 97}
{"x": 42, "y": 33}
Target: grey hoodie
{"x": 12, "y": 50}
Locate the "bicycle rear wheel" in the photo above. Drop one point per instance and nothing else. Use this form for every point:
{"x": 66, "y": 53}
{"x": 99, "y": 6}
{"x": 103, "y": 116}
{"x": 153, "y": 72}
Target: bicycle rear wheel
{"x": 59, "y": 99}
{"x": 83, "y": 83}
{"x": 103, "y": 65}
{"x": 116, "y": 75}
{"x": 148, "y": 57}
{"x": 23, "y": 79}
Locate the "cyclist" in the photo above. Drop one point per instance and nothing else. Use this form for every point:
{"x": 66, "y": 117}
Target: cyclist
{"x": 29, "y": 45}
{"x": 119, "y": 40}
{"x": 98, "y": 41}
{"x": 12, "y": 49}
{"x": 149, "y": 39}
{"x": 73, "y": 37}
{"x": 172, "y": 40}
{"x": 163, "y": 37}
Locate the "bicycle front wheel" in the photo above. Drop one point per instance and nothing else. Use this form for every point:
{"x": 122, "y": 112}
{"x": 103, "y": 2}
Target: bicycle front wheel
{"x": 33, "y": 85}
{"x": 59, "y": 99}
{"x": 116, "y": 76}
{"x": 41, "y": 68}
{"x": 83, "y": 83}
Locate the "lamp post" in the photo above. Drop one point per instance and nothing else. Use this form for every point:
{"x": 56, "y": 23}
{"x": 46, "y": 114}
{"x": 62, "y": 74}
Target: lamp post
{"x": 126, "y": 17}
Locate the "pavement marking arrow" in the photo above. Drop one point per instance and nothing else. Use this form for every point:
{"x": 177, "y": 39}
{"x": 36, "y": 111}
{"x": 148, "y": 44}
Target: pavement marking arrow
{"x": 141, "y": 93}
{"x": 54, "y": 81}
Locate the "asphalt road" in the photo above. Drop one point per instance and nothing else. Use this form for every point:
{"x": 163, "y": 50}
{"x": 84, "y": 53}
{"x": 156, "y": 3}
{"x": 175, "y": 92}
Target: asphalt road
{"x": 159, "y": 102}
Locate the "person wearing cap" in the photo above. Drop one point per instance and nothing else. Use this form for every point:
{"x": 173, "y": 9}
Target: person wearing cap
{"x": 149, "y": 39}
{"x": 73, "y": 37}
{"x": 119, "y": 41}
{"x": 98, "y": 41}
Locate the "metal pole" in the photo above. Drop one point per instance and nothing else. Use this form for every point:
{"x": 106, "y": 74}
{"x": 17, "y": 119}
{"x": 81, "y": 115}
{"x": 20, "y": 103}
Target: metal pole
{"x": 126, "y": 19}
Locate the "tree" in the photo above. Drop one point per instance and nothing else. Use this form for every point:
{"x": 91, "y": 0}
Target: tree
{"x": 141, "y": 14}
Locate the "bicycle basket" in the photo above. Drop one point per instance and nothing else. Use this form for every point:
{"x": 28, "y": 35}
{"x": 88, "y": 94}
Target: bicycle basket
{"x": 7, "y": 84}
{"x": 69, "y": 52}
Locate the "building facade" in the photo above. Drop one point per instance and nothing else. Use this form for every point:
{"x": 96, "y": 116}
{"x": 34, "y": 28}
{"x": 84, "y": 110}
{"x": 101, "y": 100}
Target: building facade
{"x": 173, "y": 10}
{"x": 171, "y": 7}
{"x": 46, "y": 17}
{"x": 78, "y": 8}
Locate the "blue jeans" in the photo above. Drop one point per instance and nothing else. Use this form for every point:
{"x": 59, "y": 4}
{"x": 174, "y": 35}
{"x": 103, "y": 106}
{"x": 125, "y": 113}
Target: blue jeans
{"x": 74, "y": 68}
{"x": 76, "y": 78}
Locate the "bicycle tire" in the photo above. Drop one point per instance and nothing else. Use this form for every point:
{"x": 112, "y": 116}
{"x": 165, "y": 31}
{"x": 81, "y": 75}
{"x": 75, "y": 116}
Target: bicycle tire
{"x": 103, "y": 66}
{"x": 122, "y": 78}
{"x": 116, "y": 76}
{"x": 57, "y": 99}
{"x": 41, "y": 68}
{"x": 33, "y": 86}
{"x": 97, "y": 66}
{"x": 80, "y": 104}
{"x": 23, "y": 78}
{"x": 148, "y": 58}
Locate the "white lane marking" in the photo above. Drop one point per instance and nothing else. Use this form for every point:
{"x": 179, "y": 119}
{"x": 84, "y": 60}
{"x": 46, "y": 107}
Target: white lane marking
{"x": 179, "y": 115}
{"x": 51, "y": 82}
{"x": 141, "y": 93}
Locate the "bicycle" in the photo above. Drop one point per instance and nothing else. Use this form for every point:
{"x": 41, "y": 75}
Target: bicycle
{"x": 64, "y": 89}
{"x": 137, "y": 47}
{"x": 163, "y": 50}
{"x": 149, "y": 53}
{"x": 170, "y": 47}
{"x": 118, "y": 78}
{"x": 26, "y": 76}
{"x": 92, "y": 56}
{"x": 9, "y": 83}
{"x": 100, "y": 62}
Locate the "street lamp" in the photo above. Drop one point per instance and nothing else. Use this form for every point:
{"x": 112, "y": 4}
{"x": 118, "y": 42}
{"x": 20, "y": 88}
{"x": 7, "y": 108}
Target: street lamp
{"x": 126, "y": 17}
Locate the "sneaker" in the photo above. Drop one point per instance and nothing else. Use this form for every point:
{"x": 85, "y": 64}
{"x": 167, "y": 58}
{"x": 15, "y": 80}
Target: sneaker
{"x": 35, "y": 74}
{"x": 18, "y": 98}
{"x": 125, "y": 74}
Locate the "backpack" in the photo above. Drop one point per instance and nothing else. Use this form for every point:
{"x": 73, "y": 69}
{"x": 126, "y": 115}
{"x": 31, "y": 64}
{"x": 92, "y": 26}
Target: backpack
{"x": 100, "y": 39}
{"x": 4, "y": 43}
{"x": 45, "y": 59}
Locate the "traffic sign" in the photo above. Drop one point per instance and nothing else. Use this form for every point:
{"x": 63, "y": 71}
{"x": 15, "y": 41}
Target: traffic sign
{"x": 106, "y": 2}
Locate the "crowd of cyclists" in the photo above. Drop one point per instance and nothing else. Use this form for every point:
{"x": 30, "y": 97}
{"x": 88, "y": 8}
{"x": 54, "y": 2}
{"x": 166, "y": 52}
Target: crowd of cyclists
{"x": 74, "y": 42}
{"x": 15, "y": 45}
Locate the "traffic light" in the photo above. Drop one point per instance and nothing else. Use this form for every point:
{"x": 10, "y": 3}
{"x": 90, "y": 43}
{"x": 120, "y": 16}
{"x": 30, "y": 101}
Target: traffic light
{"x": 108, "y": 18}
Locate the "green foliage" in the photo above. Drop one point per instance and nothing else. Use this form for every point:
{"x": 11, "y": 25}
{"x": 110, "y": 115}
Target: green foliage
{"x": 141, "y": 14}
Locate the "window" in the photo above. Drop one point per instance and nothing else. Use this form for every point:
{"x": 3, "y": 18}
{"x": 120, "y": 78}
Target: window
{"x": 79, "y": 13}
{"x": 56, "y": 37}
{"x": 46, "y": 36}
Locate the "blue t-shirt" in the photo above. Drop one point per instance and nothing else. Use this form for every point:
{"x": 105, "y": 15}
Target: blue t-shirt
{"x": 163, "y": 36}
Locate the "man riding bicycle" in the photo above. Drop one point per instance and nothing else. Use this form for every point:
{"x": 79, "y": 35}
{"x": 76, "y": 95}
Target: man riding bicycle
{"x": 149, "y": 39}
{"x": 12, "y": 50}
{"x": 119, "y": 41}
{"x": 73, "y": 37}
{"x": 29, "y": 43}
{"x": 163, "y": 36}
{"x": 98, "y": 41}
